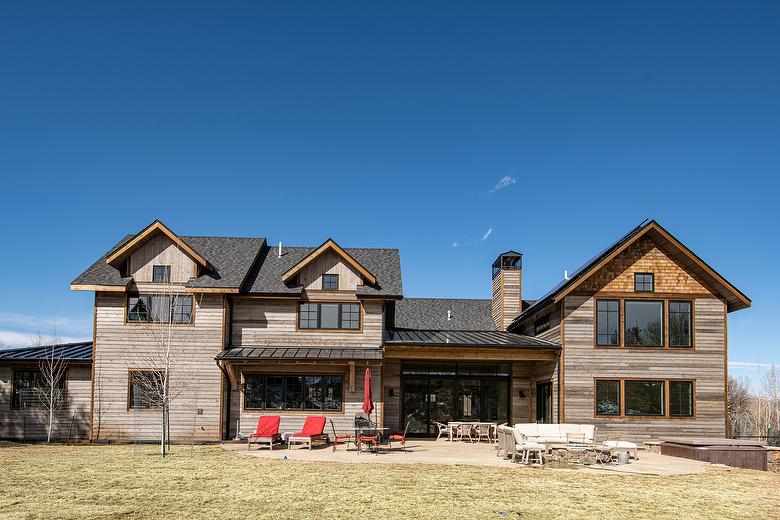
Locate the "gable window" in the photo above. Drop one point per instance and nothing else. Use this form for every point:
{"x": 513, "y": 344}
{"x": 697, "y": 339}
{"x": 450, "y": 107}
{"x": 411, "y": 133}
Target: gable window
{"x": 644, "y": 323}
{"x": 607, "y": 397}
{"x": 145, "y": 389}
{"x": 329, "y": 316}
{"x": 644, "y": 397}
{"x": 159, "y": 309}
{"x": 679, "y": 324}
{"x": 681, "y": 398}
{"x": 644, "y": 282}
{"x": 161, "y": 273}
{"x": 330, "y": 282}
{"x": 292, "y": 392}
{"x": 608, "y": 323}
{"x": 542, "y": 324}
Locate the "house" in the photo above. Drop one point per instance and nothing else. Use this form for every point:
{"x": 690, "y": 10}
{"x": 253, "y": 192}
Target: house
{"x": 635, "y": 341}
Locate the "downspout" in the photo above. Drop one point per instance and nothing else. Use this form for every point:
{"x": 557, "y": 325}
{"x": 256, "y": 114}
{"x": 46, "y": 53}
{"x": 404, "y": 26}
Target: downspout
{"x": 557, "y": 390}
{"x": 226, "y": 418}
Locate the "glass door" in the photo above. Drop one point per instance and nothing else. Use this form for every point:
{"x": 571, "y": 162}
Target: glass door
{"x": 544, "y": 402}
{"x": 496, "y": 398}
{"x": 441, "y": 400}
{"x": 469, "y": 400}
{"x": 416, "y": 404}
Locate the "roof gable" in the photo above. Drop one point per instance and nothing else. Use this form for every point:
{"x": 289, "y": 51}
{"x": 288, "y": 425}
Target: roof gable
{"x": 329, "y": 245}
{"x": 673, "y": 248}
{"x": 139, "y": 239}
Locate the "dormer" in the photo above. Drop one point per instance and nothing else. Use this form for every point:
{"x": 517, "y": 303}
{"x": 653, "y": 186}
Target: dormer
{"x": 329, "y": 268}
{"x": 157, "y": 255}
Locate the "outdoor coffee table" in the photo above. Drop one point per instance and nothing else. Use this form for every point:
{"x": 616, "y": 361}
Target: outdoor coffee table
{"x": 576, "y": 453}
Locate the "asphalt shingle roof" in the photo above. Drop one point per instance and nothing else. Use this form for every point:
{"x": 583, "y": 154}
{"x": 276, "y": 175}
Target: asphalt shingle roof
{"x": 231, "y": 257}
{"x": 385, "y": 264}
{"x": 431, "y": 313}
{"x": 67, "y": 351}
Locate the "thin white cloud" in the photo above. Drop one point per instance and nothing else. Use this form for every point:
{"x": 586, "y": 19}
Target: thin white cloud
{"x": 505, "y": 181}
{"x": 43, "y": 325}
{"x": 750, "y": 365}
{"x": 12, "y": 338}
{"x": 484, "y": 237}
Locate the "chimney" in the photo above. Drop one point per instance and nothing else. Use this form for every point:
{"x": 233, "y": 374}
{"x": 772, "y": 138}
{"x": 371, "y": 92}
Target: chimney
{"x": 507, "y": 288}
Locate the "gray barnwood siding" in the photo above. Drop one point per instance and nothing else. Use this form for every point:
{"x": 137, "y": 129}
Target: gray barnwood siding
{"x": 31, "y": 424}
{"x": 120, "y": 347}
{"x": 259, "y": 322}
{"x": 160, "y": 250}
{"x": 704, "y": 364}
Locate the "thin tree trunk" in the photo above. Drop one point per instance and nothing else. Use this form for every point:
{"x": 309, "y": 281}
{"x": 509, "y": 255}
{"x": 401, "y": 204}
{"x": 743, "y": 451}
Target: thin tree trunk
{"x": 162, "y": 436}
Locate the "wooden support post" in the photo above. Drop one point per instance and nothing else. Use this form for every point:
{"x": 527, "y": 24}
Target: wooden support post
{"x": 351, "y": 376}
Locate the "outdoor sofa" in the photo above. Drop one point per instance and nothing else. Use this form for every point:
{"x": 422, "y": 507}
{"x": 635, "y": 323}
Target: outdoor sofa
{"x": 561, "y": 433}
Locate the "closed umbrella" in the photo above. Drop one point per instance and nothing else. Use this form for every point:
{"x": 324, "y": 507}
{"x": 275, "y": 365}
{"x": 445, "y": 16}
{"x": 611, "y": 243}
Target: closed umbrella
{"x": 368, "y": 403}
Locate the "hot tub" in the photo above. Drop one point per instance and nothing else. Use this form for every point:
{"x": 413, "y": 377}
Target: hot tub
{"x": 739, "y": 453}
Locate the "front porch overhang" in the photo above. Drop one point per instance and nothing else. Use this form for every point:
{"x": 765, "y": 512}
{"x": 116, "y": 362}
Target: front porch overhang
{"x": 454, "y": 353}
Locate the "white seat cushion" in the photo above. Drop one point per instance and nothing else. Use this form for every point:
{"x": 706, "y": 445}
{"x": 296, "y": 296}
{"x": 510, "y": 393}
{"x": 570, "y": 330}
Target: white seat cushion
{"x": 548, "y": 431}
{"x": 589, "y": 431}
{"x": 620, "y": 444}
{"x": 528, "y": 429}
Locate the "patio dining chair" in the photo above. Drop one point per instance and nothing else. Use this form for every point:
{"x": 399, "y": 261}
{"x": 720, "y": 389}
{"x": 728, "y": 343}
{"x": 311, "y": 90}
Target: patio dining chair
{"x": 483, "y": 431}
{"x": 339, "y": 437}
{"x": 443, "y": 430}
{"x": 466, "y": 430}
{"x": 400, "y": 436}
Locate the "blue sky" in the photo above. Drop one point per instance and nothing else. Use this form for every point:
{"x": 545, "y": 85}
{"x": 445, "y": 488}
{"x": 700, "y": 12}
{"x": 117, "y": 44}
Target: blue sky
{"x": 390, "y": 126}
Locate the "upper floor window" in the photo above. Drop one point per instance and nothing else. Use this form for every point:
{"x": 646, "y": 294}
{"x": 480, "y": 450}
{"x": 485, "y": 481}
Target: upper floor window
{"x": 542, "y": 324}
{"x": 644, "y": 282}
{"x": 329, "y": 316}
{"x": 608, "y": 323}
{"x": 330, "y": 282}
{"x": 159, "y": 309}
{"x": 644, "y": 325}
{"x": 161, "y": 273}
{"x": 680, "y": 324}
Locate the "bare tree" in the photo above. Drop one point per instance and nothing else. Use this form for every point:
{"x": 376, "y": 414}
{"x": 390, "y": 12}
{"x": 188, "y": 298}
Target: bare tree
{"x": 162, "y": 353}
{"x": 738, "y": 407}
{"x": 99, "y": 406}
{"x": 49, "y": 390}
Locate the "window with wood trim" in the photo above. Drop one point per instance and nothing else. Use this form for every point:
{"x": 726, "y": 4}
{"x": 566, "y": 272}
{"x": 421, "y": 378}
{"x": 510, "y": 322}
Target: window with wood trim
{"x": 644, "y": 398}
{"x": 145, "y": 389}
{"x": 329, "y": 316}
{"x": 26, "y": 387}
{"x": 644, "y": 282}
{"x": 608, "y": 323}
{"x": 159, "y": 309}
{"x": 330, "y": 282}
{"x": 680, "y": 323}
{"x": 315, "y": 393}
{"x": 161, "y": 273}
{"x": 542, "y": 325}
{"x": 681, "y": 398}
{"x": 644, "y": 323}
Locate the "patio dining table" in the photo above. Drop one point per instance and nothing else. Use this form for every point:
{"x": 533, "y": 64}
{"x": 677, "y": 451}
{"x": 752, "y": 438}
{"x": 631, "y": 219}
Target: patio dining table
{"x": 452, "y": 426}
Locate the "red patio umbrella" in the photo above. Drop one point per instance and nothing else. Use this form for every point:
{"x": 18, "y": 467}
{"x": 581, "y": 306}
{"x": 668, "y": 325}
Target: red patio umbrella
{"x": 368, "y": 403}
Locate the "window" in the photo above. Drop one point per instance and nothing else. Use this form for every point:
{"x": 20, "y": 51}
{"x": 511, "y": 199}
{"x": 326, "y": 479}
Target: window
{"x": 644, "y": 397}
{"x": 329, "y": 316}
{"x": 541, "y": 325}
{"x": 161, "y": 273}
{"x": 644, "y": 282}
{"x": 608, "y": 322}
{"x": 292, "y": 392}
{"x": 681, "y": 398}
{"x": 145, "y": 389}
{"x": 159, "y": 309}
{"x": 644, "y": 324}
{"x": 607, "y": 397}
{"x": 679, "y": 324}
{"x": 25, "y": 386}
{"x": 330, "y": 282}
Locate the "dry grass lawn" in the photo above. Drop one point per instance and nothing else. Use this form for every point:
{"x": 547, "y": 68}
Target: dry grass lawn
{"x": 116, "y": 481}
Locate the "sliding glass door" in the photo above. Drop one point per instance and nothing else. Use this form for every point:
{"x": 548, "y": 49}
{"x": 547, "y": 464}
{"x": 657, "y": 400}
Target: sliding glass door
{"x": 442, "y": 392}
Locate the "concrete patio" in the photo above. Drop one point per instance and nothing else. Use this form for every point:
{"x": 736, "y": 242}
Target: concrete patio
{"x": 428, "y": 451}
